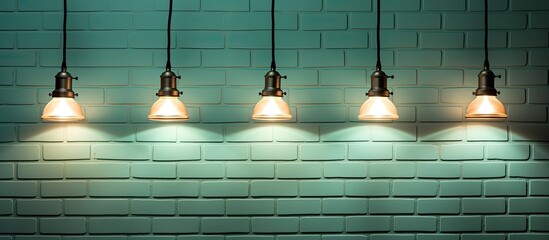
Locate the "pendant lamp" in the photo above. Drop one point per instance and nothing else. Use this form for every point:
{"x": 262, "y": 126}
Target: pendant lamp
{"x": 62, "y": 107}
{"x": 168, "y": 107}
{"x": 378, "y": 106}
{"x": 486, "y": 105}
{"x": 272, "y": 107}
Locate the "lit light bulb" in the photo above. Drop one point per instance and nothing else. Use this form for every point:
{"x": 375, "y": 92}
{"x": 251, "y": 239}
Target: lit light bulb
{"x": 486, "y": 106}
{"x": 62, "y": 109}
{"x": 271, "y": 108}
{"x": 378, "y": 108}
{"x": 168, "y": 108}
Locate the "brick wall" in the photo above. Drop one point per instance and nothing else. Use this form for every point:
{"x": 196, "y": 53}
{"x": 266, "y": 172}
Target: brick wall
{"x": 322, "y": 176}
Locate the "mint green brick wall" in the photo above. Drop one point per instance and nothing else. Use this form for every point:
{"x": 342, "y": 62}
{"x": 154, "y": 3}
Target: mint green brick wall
{"x": 432, "y": 175}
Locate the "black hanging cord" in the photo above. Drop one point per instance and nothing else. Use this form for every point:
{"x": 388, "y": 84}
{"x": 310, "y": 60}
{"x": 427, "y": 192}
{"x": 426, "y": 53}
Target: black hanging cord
{"x": 64, "y": 63}
{"x": 378, "y": 63}
{"x": 168, "y": 62}
{"x": 486, "y": 63}
{"x": 273, "y": 63}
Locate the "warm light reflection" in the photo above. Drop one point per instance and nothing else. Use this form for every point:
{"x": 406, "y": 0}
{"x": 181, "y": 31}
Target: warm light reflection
{"x": 486, "y": 106}
{"x": 62, "y": 109}
{"x": 378, "y": 108}
{"x": 271, "y": 108}
{"x": 168, "y": 109}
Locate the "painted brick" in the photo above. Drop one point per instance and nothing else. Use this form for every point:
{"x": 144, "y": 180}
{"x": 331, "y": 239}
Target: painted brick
{"x": 417, "y": 95}
{"x": 155, "y": 133}
{"x": 261, "y": 39}
{"x": 525, "y": 236}
{"x": 153, "y": 170}
{"x": 348, "y": 5}
{"x": 298, "y": 133}
{"x": 367, "y": 224}
{"x": 299, "y": 170}
{"x": 483, "y": 205}
{"x": 344, "y": 133}
{"x": 100, "y": 133}
{"x": 250, "y": 170}
{"x": 529, "y": 170}
{"x": 490, "y": 133}
{"x": 539, "y": 223}
{"x": 121, "y": 152}
{"x": 275, "y": 225}
{"x": 418, "y": 21}
{"x": 433, "y": 77}
{"x": 209, "y": 133}
{"x": 221, "y": 114}
{"x": 345, "y": 170}
{"x": 528, "y": 205}
{"x": 257, "y": 21}
{"x": 278, "y": 152}
{"x": 539, "y": 187}
{"x": 508, "y": 151}
{"x": 322, "y": 114}
{"x": 438, "y": 206}
{"x": 119, "y": 189}
{"x": 107, "y": 114}
{"x": 373, "y": 151}
{"x": 440, "y": 114}
{"x": 70, "y": 225}
{"x": 403, "y": 133}
{"x": 505, "y": 223}
{"x": 7, "y": 170}
{"x": 226, "y": 152}
{"x": 321, "y": 188}
{"x": 226, "y": 225}
{"x": 63, "y": 189}
{"x": 447, "y": 5}
{"x": 371, "y": 188}
{"x": 40, "y": 171}
{"x": 538, "y": 20}
{"x": 110, "y": 21}
{"x": 492, "y": 5}
{"x": 97, "y": 170}
{"x": 438, "y": 236}
{"x": 541, "y": 151}
{"x": 321, "y": 224}
{"x": 483, "y": 170}
{"x": 131, "y": 225}
{"x": 495, "y": 40}
{"x": 175, "y": 225}
{"x": 324, "y": 58}
{"x": 287, "y": 58}
{"x": 176, "y": 152}
{"x": 253, "y": 207}
{"x": 249, "y": 133}
{"x": 457, "y": 21}
{"x": 391, "y": 206}
{"x": 438, "y": 170}
{"x": 329, "y": 95}
{"x": 19, "y": 152}
{"x": 529, "y": 133}
{"x": 29, "y": 40}
{"x": 344, "y": 206}
{"x": 355, "y": 39}
{"x": 463, "y": 188}
{"x": 414, "y": 58}
{"x": 26, "y": 21}
{"x": 225, "y": 189}
{"x": 298, "y": 206}
{"x": 395, "y": 5}
{"x": 392, "y": 39}
{"x": 460, "y": 224}
{"x": 175, "y": 189}
{"x": 528, "y": 39}
{"x": 7, "y": 77}
{"x": 319, "y": 152}
{"x": 415, "y": 224}
{"x": 152, "y": 207}
{"x": 38, "y": 207}
{"x": 26, "y": 114}
{"x": 392, "y": 170}
{"x": 441, "y": 132}
{"x": 527, "y": 114}
{"x": 415, "y": 188}
{"x": 201, "y": 207}
{"x": 66, "y": 152}
{"x": 226, "y": 58}
{"x": 365, "y": 57}
{"x": 17, "y": 96}
{"x": 41, "y": 133}
{"x": 512, "y": 188}
{"x": 18, "y": 225}
{"x": 96, "y": 207}
{"x": 201, "y": 170}
{"x": 416, "y": 152}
